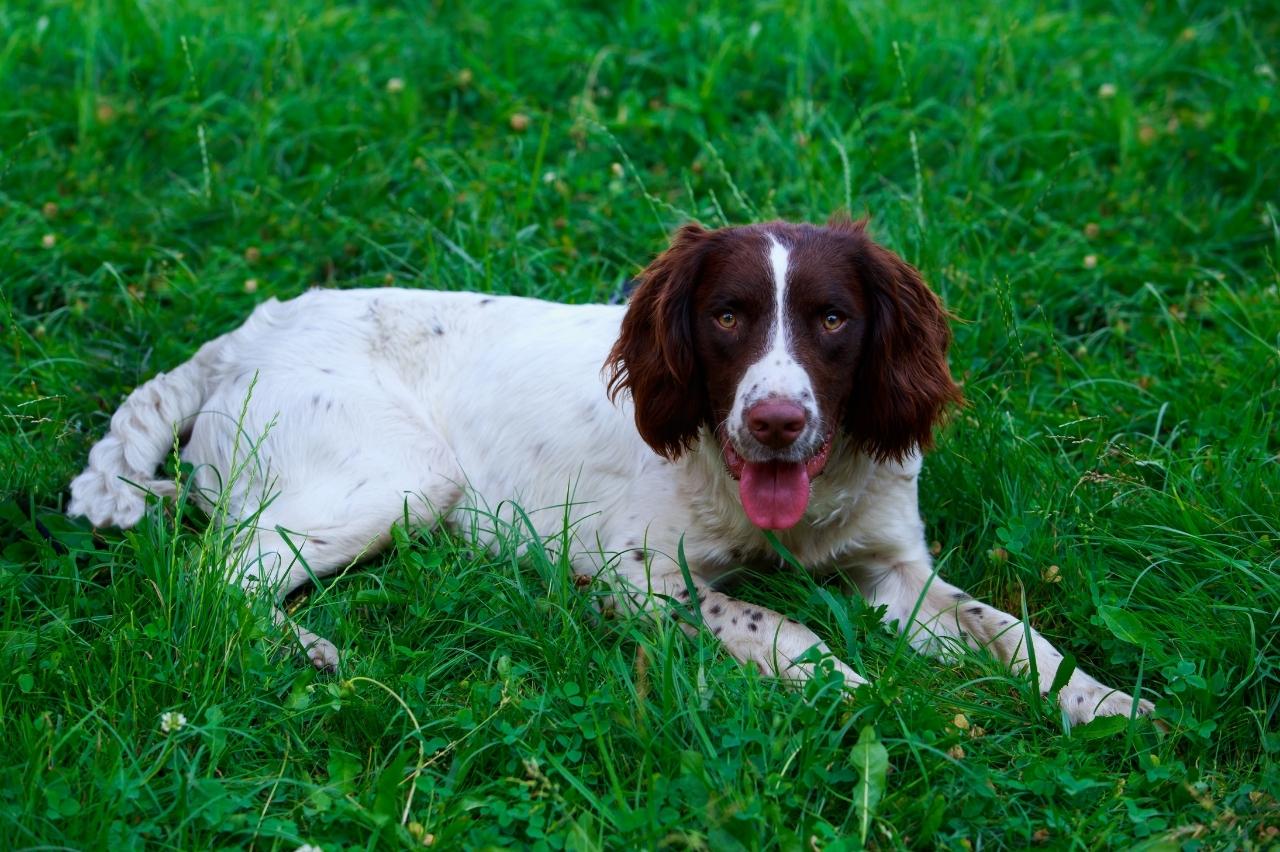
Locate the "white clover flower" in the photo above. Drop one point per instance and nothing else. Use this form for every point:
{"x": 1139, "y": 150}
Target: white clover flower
{"x": 171, "y": 721}
{"x": 307, "y": 847}
{"x": 1107, "y": 90}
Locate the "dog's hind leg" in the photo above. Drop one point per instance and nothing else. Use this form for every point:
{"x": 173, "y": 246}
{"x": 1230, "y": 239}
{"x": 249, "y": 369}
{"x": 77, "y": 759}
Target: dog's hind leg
{"x": 280, "y": 561}
{"x": 316, "y": 528}
{"x": 313, "y": 475}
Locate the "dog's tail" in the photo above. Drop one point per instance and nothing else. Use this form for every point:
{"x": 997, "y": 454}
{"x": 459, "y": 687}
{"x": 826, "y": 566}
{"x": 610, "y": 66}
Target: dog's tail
{"x": 111, "y": 491}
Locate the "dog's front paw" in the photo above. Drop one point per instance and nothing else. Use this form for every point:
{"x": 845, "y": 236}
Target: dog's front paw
{"x": 1087, "y": 701}
{"x": 800, "y": 673}
{"x": 852, "y": 680}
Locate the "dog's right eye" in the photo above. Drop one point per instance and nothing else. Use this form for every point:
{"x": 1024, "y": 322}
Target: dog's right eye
{"x": 727, "y": 320}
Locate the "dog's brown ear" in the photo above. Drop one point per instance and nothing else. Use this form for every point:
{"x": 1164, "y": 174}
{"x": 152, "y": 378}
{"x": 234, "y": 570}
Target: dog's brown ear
{"x": 654, "y": 358}
{"x": 903, "y": 383}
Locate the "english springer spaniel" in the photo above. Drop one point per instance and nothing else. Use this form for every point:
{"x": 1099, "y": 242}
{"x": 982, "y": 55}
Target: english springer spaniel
{"x": 775, "y": 377}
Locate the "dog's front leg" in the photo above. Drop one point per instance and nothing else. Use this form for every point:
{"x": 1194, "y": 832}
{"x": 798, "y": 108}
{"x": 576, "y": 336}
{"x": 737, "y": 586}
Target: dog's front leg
{"x": 751, "y": 634}
{"x": 933, "y": 611}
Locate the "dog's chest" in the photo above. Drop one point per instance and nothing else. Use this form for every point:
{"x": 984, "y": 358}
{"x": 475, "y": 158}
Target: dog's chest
{"x": 721, "y": 539}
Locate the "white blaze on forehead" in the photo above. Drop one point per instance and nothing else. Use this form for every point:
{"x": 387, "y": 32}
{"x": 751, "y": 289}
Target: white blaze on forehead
{"x": 777, "y": 374}
{"x": 778, "y": 343}
{"x": 778, "y": 257}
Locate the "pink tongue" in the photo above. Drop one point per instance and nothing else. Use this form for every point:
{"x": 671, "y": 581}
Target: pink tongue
{"x": 774, "y": 494}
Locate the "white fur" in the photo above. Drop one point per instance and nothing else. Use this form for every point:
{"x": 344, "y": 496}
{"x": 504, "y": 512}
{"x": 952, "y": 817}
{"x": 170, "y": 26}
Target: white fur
{"x": 367, "y": 404}
{"x": 776, "y": 375}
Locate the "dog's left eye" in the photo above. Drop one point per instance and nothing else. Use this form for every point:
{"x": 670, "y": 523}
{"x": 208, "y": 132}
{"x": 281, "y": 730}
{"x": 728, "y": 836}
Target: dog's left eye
{"x": 833, "y": 321}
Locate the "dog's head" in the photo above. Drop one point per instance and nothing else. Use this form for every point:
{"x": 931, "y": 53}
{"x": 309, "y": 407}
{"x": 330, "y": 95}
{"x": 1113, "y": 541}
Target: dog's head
{"x": 774, "y": 336}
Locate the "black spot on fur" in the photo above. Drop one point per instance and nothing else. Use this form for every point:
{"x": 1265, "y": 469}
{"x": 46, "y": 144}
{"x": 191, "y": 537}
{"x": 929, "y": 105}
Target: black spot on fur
{"x": 326, "y": 371}
{"x": 638, "y": 556}
{"x": 486, "y": 301}
{"x": 975, "y": 610}
{"x": 437, "y": 330}
{"x": 735, "y": 620}
{"x": 757, "y": 615}
{"x": 683, "y": 594}
{"x": 315, "y": 399}
{"x": 1079, "y": 699}
{"x": 320, "y": 541}
{"x": 717, "y": 630}
{"x": 961, "y": 596}
{"x": 715, "y": 610}
{"x": 752, "y": 627}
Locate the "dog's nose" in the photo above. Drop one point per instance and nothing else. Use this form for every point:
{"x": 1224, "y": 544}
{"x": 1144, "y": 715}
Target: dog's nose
{"x": 776, "y": 424}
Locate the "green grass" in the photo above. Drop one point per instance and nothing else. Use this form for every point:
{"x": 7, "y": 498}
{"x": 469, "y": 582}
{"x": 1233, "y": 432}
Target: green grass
{"x": 1091, "y": 186}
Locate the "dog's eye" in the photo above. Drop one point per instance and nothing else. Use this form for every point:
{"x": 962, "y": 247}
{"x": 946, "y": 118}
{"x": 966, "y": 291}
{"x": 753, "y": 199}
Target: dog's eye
{"x": 727, "y": 320}
{"x": 833, "y": 321}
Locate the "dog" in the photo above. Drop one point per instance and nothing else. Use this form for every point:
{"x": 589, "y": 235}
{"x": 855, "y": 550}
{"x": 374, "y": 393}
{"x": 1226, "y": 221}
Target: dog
{"x": 772, "y": 378}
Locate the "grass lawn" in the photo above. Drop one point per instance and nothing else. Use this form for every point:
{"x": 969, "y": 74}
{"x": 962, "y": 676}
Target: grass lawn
{"x": 1093, "y": 188}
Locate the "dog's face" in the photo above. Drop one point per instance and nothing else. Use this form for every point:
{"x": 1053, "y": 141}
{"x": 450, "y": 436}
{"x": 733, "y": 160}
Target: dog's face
{"x": 774, "y": 336}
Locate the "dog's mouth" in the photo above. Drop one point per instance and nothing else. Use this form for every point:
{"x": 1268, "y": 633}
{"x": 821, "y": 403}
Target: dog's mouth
{"x": 774, "y": 493}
